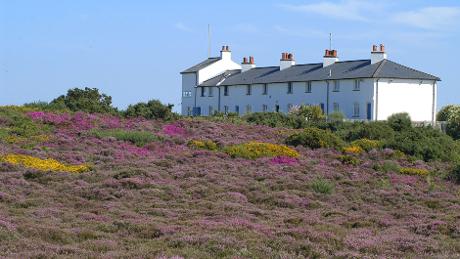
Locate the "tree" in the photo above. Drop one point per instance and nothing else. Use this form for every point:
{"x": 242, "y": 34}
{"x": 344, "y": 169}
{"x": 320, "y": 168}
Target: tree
{"x": 400, "y": 121}
{"x": 310, "y": 113}
{"x": 153, "y": 109}
{"x": 87, "y": 100}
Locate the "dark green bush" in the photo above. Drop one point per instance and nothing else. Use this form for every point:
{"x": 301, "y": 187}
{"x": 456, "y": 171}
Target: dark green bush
{"x": 387, "y": 166}
{"x": 86, "y": 100}
{"x": 315, "y": 138}
{"x": 309, "y": 113}
{"x": 399, "y": 121}
{"x": 349, "y": 160}
{"x": 378, "y": 130}
{"x": 445, "y": 112}
{"x": 153, "y": 109}
{"x": 454, "y": 173}
{"x": 425, "y": 143}
{"x": 44, "y": 106}
{"x": 275, "y": 119}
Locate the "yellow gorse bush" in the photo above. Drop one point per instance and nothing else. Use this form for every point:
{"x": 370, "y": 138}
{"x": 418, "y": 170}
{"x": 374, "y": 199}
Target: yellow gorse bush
{"x": 202, "y": 144}
{"x": 253, "y": 150}
{"x": 43, "y": 164}
{"x": 353, "y": 150}
{"x": 367, "y": 144}
{"x": 413, "y": 171}
{"x": 13, "y": 139}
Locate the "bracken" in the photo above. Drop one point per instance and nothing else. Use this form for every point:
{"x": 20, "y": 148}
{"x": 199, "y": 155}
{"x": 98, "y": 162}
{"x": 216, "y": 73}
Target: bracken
{"x": 43, "y": 164}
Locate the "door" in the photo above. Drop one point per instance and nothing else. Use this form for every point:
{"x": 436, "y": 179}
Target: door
{"x": 369, "y": 111}
{"x": 196, "y": 111}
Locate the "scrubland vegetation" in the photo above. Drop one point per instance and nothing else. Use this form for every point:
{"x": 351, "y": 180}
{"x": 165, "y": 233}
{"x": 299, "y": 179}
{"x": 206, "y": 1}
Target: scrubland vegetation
{"x": 78, "y": 178}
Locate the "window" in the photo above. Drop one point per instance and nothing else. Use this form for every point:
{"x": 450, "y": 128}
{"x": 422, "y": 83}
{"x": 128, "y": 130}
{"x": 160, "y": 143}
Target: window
{"x": 210, "y": 91}
{"x": 277, "y": 108}
{"x": 308, "y": 87}
{"x": 289, "y": 107}
{"x": 237, "y": 109}
{"x": 336, "y": 107}
{"x": 289, "y": 88}
{"x": 248, "y": 108}
{"x": 189, "y": 111}
{"x": 187, "y": 94}
{"x": 210, "y": 110}
{"x": 202, "y": 91}
{"x": 226, "y": 90}
{"x": 336, "y": 86}
{"x": 248, "y": 90}
{"x": 356, "y": 109}
{"x": 264, "y": 108}
{"x": 357, "y": 86}
{"x": 226, "y": 109}
{"x": 265, "y": 89}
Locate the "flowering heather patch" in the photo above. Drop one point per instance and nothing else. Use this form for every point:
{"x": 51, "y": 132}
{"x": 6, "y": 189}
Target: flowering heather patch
{"x": 43, "y": 164}
{"x": 174, "y": 130}
{"x": 167, "y": 200}
{"x": 253, "y": 150}
{"x": 283, "y": 160}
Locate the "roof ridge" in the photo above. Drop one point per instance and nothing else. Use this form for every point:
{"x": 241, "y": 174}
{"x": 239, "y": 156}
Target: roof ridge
{"x": 379, "y": 67}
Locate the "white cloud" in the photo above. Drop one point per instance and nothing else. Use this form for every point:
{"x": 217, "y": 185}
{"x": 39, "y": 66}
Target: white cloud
{"x": 433, "y": 18}
{"x": 355, "y": 10}
{"x": 182, "y": 27}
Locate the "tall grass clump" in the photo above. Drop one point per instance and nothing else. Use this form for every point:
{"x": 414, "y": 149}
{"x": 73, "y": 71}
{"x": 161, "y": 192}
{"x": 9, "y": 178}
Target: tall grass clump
{"x": 322, "y": 186}
{"x": 138, "y": 138}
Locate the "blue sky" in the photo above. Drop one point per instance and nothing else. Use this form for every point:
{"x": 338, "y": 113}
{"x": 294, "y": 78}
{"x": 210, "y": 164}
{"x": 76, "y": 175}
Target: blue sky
{"x": 134, "y": 50}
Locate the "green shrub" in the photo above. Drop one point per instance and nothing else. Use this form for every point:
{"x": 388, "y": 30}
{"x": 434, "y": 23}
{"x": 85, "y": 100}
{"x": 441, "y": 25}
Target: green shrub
{"x": 153, "y": 109}
{"x": 44, "y": 106}
{"x": 387, "y": 166}
{"x": 202, "y": 144}
{"x": 139, "y": 138}
{"x": 425, "y": 143}
{"x": 87, "y": 100}
{"x": 376, "y": 130}
{"x": 309, "y": 113}
{"x": 315, "y": 138}
{"x": 322, "y": 186}
{"x": 367, "y": 144}
{"x": 275, "y": 119}
{"x": 454, "y": 173}
{"x": 349, "y": 160}
{"x": 399, "y": 121}
{"x": 445, "y": 112}
{"x": 336, "y": 117}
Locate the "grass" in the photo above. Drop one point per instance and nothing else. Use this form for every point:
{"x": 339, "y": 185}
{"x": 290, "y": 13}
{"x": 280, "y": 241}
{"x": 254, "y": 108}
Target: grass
{"x": 138, "y": 138}
{"x": 322, "y": 186}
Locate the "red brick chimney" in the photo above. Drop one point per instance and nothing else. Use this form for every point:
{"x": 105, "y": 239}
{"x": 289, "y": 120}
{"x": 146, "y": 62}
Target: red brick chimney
{"x": 287, "y": 60}
{"x": 330, "y": 57}
{"x": 247, "y": 65}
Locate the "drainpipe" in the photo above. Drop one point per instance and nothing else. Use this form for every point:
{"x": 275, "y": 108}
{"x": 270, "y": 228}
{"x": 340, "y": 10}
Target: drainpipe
{"x": 433, "y": 108}
{"x": 377, "y": 99}
{"x": 327, "y": 100}
{"x": 218, "y": 99}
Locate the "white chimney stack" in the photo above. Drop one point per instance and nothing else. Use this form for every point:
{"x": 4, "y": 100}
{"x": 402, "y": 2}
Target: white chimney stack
{"x": 378, "y": 54}
{"x": 330, "y": 57}
{"x": 287, "y": 60}
{"x": 225, "y": 53}
{"x": 247, "y": 64}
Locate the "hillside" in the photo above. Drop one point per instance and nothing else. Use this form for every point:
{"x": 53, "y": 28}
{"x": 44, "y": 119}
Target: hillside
{"x": 119, "y": 187}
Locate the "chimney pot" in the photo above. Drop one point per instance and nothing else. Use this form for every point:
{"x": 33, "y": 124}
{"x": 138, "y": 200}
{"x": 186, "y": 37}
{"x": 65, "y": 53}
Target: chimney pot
{"x": 245, "y": 61}
{"x": 374, "y": 48}
{"x": 251, "y": 60}
{"x": 290, "y": 57}
{"x": 382, "y": 48}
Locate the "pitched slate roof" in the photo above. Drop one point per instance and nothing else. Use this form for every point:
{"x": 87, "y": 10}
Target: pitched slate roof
{"x": 201, "y": 65}
{"x": 316, "y": 72}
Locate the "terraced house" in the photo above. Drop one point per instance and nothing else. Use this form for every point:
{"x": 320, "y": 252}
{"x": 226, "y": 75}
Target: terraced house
{"x": 368, "y": 89}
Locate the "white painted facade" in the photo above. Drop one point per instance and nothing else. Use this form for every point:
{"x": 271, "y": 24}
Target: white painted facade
{"x": 356, "y": 98}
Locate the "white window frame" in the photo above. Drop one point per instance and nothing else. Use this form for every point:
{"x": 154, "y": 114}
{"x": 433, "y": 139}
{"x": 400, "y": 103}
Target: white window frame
{"x": 308, "y": 87}
{"x": 248, "y": 90}
{"x": 290, "y": 88}
{"x": 248, "y": 109}
{"x": 336, "y": 107}
{"x": 210, "y": 91}
{"x": 264, "y": 107}
{"x": 264, "y": 89}
{"x": 336, "y": 86}
{"x": 357, "y": 85}
{"x": 226, "y": 90}
{"x": 356, "y": 109}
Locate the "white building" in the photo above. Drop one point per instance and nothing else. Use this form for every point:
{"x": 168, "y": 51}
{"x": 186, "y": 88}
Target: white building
{"x": 368, "y": 89}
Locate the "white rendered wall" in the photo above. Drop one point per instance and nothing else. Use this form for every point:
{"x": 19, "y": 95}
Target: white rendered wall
{"x": 403, "y": 95}
{"x": 346, "y": 97}
{"x": 217, "y": 68}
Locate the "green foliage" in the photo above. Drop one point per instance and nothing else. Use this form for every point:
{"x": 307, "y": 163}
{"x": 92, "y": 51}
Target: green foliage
{"x": 336, "y": 117}
{"x": 377, "y": 130}
{"x": 349, "y": 160}
{"x": 454, "y": 173}
{"x": 153, "y": 109}
{"x": 309, "y": 113}
{"x": 445, "y": 112}
{"x": 425, "y": 143}
{"x": 315, "y": 138}
{"x": 139, "y": 138}
{"x": 44, "y": 106}
{"x": 399, "y": 121}
{"x": 413, "y": 171}
{"x": 274, "y": 119}
{"x": 387, "y": 166}
{"x": 322, "y": 186}
{"x": 87, "y": 100}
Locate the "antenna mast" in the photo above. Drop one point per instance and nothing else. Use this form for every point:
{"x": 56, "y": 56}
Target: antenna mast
{"x": 330, "y": 40}
{"x": 209, "y": 40}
